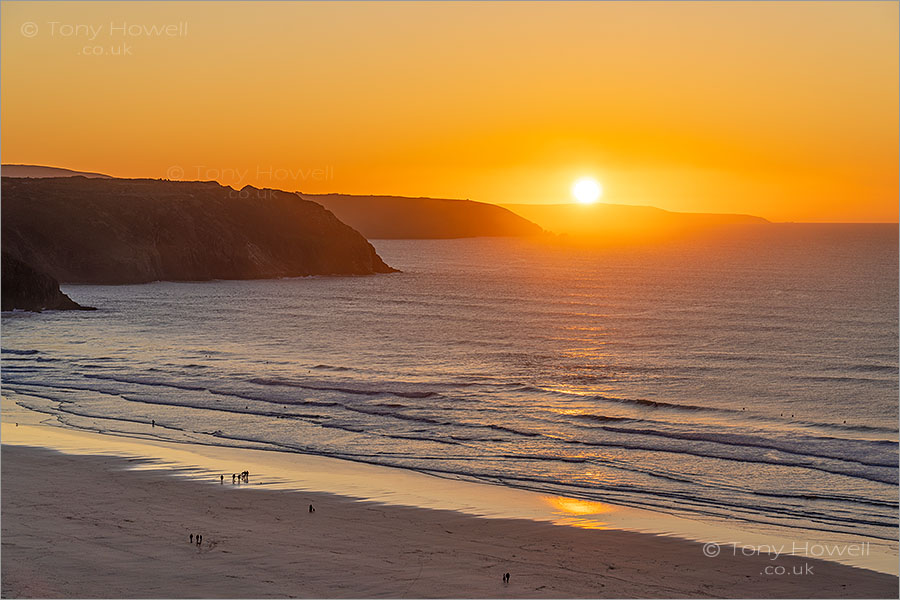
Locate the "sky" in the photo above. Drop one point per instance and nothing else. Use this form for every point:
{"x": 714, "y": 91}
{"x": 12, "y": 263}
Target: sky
{"x": 783, "y": 110}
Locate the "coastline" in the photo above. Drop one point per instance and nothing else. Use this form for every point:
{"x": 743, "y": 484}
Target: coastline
{"x": 92, "y": 526}
{"x": 407, "y": 487}
{"x": 70, "y": 494}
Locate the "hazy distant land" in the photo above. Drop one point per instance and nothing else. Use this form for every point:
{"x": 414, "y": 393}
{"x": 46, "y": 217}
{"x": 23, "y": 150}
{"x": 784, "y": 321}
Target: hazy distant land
{"x": 619, "y": 222}
{"x": 397, "y": 217}
{"x": 39, "y": 171}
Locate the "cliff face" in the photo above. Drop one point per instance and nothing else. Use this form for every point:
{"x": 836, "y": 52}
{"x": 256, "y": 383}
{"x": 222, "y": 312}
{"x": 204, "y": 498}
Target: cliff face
{"x": 25, "y": 288}
{"x": 113, "y": 231}
{"x": 394, "y": 217}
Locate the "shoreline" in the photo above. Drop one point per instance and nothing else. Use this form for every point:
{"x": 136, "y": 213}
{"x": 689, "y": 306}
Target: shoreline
{"x": 396, "y": 486}
{"x": 406, "y": 487}
{"x": 110, "y": 526}
{"x": 56, "y": 478}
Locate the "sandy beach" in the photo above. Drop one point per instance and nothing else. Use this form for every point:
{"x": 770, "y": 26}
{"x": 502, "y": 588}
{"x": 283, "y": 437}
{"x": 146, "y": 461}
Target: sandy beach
{"x": 92, "y": 526}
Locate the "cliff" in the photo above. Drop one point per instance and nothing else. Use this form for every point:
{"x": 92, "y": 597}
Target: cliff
{"x": 113, "y": 231}
{"x": 395, "y": 217}
{"x": 25, "y": 288}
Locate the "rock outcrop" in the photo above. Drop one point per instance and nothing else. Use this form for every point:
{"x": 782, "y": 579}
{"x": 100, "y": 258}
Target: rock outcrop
{"x": 25, "y": 288}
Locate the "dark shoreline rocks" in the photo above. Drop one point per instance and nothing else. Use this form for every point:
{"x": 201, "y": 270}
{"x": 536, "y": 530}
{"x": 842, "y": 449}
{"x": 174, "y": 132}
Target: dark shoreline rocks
{"x": 25, "y": 288}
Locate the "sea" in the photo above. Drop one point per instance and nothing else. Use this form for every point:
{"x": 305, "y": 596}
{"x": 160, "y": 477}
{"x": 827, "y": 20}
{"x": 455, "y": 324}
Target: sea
{"x": 748, "y": 376}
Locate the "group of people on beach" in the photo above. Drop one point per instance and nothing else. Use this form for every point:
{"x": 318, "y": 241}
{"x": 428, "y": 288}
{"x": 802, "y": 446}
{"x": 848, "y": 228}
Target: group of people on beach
{"x": 243, "y": 476}
{"x": 198, "y": 538}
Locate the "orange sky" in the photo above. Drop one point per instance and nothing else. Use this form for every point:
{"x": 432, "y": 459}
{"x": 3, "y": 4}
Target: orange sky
{"x": 783, "y": 110}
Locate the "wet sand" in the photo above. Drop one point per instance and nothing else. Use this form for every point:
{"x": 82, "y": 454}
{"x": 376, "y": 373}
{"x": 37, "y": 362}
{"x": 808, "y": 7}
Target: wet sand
{"x": 91, "y": 526}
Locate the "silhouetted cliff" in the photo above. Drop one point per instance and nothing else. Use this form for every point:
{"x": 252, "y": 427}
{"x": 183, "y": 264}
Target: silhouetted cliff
{"x": 25, "y": 288}
{"x": 110, "y": 231}
{"x": 395, "y": 217}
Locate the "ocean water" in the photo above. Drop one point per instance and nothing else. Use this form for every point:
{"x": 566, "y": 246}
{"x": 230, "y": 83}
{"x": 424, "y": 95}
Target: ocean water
{"x": 751, "y": 376}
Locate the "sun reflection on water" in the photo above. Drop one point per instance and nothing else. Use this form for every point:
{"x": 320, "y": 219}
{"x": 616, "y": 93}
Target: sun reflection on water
{"x": 580, "y": 513}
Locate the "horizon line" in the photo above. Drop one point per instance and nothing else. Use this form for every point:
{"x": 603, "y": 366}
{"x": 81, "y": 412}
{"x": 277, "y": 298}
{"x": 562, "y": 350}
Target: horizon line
{"x": 500, "y": 204}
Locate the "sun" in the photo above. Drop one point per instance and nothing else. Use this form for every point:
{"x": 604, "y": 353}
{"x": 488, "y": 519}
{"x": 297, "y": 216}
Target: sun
{"x": 586, "y": 190}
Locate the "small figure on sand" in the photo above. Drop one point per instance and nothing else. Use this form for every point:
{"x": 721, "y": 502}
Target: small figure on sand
{"x": 221, "y": 479}
{"x": 152, "y": 422}
{"x": 192, "y": 538}
{"x": 506, "y": 578}
{"x": 233, "y": 477}
{"x": 311, "y": 509}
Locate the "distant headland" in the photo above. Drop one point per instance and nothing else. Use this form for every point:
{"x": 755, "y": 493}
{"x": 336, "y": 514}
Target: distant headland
{"x": 398, "y": 217}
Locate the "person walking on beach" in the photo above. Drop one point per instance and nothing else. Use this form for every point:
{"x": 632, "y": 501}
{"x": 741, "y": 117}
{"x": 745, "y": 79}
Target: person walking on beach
{"x": 221, "y": 479}
{"x": 192, "y": 538}
{"x": 311, "y": 509}
{"x": 233, "y": 476}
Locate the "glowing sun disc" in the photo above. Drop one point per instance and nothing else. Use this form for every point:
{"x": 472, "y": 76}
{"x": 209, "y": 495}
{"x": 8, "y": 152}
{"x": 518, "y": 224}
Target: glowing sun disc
{"x": 586, "y": 190}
